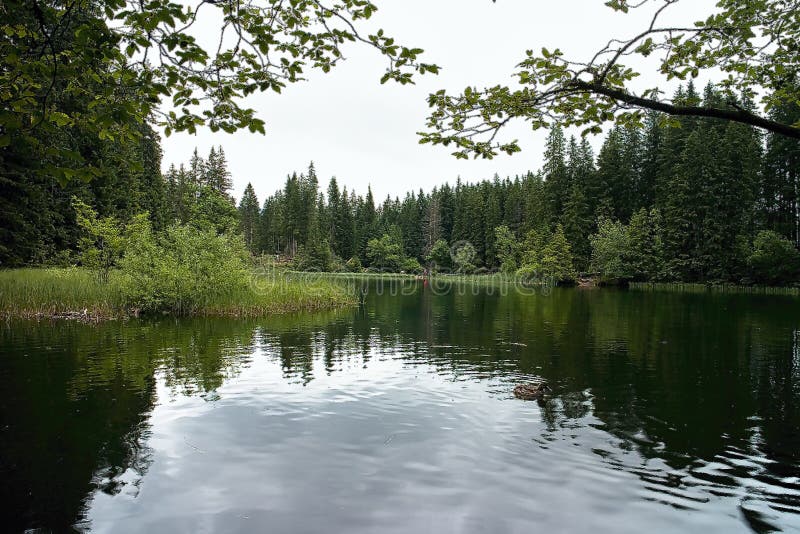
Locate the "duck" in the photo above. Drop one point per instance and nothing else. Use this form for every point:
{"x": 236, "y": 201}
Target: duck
{"x": 532, "y": 391}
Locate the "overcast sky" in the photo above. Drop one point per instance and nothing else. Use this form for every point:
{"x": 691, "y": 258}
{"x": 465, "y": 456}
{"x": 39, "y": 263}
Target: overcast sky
{"x": 365, "y": 133}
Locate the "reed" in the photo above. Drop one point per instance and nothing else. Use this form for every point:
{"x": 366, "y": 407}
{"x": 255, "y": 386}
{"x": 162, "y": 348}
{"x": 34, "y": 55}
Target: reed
{"x": 55, "y": 292}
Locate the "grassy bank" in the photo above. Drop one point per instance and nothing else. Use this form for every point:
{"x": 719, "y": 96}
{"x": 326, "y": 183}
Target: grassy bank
{"x": 78, "y": 293}
{"x": 714, "y": 288}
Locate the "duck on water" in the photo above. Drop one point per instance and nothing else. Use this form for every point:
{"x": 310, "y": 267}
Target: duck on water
{"x": 532, "y": 391}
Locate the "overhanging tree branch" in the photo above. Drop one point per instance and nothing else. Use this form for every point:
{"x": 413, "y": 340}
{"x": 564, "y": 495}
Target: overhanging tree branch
{"x": 747, "y": 50}
{"x": 736, "y": 114}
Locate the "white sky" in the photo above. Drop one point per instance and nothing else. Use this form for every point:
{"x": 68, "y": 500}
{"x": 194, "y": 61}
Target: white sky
{"x": 365, "y": 133}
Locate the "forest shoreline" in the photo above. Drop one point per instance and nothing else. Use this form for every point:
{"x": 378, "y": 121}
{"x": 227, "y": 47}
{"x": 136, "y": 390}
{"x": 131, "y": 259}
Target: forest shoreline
{"x": 74, "y": 294}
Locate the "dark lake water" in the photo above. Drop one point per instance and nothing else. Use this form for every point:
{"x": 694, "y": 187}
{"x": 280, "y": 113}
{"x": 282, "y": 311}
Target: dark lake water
{"x": 670, "y": 413}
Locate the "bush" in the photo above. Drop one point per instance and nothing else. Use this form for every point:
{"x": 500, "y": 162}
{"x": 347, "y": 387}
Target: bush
{"x": 464, "y": 258}
{"x": 411, "y": 265}
{"x": 774, "y": 259}
{"x": 386, "y": 253}
{"x": 316, "y": 256}
{"x": 439, "y": 256}
{"x": 529, "y": 273}
{"x": 182, "y": 270}
{"x": 102, "y": 240}
{"x": 354, "y": 265}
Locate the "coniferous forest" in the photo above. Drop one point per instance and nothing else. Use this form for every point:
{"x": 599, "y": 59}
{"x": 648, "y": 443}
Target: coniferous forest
{"x": 695, "y": 200}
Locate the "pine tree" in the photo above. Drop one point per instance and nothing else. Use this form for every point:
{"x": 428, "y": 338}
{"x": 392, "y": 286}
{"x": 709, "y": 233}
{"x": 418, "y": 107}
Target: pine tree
{"x": 578, "y": 224}
{"x": 556, "y": 176}
{"x": 216, "y": 174}
{"x": 492, "y": 218}
{"x": 652, "y": 140}
{"x": 197, "y": 169}
{"x": 249, "y": 218}
{"x": 556, "y": 260}
{"x": 779, "y": 203}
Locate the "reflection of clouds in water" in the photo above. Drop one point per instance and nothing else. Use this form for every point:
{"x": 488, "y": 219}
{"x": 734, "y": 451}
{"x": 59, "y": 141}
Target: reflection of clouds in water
{"x": 400, "y": 414}
{"x": 397, "y": 443}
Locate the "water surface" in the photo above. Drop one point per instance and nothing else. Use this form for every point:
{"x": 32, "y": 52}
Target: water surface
{"x": 670, "y": 413}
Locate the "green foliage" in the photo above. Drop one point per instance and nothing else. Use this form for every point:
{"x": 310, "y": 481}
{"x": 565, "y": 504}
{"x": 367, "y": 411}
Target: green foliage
{"x": 411, "y": 265}
{"x": 214, "y": 211}
{"x": 646, "y": 253}
{"x": 315, "y": 256}
{"x": 774, "y": 259}
{"x": 182, "y": 270}
{"x": 385, "y": 253}
{"x": 555, "y": 262}
{"x": 102, "y": 242}
{"x": 249, "y": 214}
{"x": 610, "y": 248}
{"x": 353, "y": 265}
{"x": 464, "y": 258}
{"x": 533, "y": 246}
{"x": 507, "y": 249}
{"x": 105, "y": 66}
{"x": 751, "y": 43}
{"x": 439, "y": 255}
{"x": 629, "y": 252}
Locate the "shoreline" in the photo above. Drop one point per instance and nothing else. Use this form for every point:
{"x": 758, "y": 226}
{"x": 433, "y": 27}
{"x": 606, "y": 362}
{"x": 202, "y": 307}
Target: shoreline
{"x": 54, "y": 295}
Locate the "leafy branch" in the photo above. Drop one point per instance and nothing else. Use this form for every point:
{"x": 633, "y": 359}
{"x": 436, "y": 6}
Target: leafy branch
{"x": 752, "y": 43}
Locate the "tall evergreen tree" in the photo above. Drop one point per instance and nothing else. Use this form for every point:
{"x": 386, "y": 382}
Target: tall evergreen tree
{"x": 249, "y": 215}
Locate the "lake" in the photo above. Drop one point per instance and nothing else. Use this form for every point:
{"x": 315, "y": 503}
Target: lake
{"x": 670, "y": 413}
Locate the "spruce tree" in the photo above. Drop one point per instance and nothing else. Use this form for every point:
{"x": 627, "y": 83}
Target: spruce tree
{"x": 249, "y": 219}
{"x": 578, "y": 223}
{"x": 556, "y": 177}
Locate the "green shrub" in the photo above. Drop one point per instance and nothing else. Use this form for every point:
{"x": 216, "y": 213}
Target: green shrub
{"x": 774, "y": 259}
{"x": 507, "y": 249}
{"x": 182, "y": 270}
{"x": 102, "y": 241}
{"x": 386, "y": 253}
{"x": 439, "y": 256}
{"x": 354, "y": 265}
{"x": 411, "y": 265}
{"x": 316, "y": 256}
{"x": 464, "y": 258}
{"x": 529, "y": 273}
{"x": 547, "y": 259}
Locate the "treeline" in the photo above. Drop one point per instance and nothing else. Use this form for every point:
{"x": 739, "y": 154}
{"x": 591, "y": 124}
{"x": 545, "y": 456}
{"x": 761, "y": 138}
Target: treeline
{"x": 37, "y": 221}
{"x": 693, "y": 200}
{"x": 702, "y": 199}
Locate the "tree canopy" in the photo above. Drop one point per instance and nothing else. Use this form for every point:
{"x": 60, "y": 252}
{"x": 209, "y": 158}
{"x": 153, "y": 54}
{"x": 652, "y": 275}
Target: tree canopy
{"x": 753, "y": 44}
{"x": 102, "y": 67}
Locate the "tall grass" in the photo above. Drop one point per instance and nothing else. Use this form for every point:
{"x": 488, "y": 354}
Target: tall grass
{"x": 279, "y": 294}
{"x": 77, "y": 292}
{"x": 53, "y": 292}
{"x": 715, "y": 288}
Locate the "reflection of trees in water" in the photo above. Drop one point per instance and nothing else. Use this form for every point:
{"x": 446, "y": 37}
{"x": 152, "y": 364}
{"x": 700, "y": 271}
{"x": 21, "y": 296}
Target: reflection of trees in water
{"x": 57, "y": 429}
{"x": 675, "y": 377}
